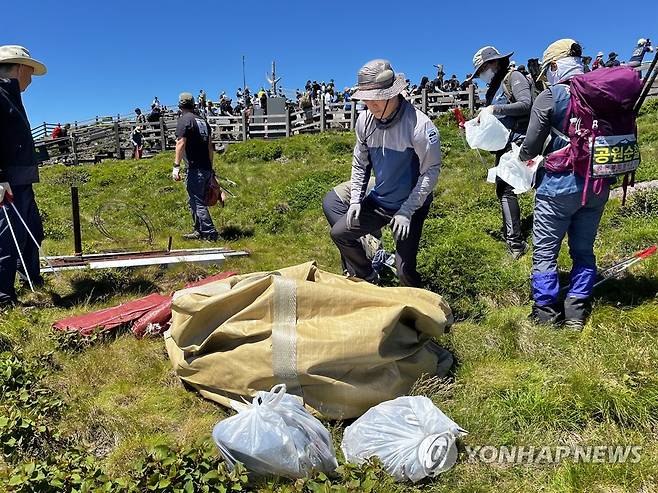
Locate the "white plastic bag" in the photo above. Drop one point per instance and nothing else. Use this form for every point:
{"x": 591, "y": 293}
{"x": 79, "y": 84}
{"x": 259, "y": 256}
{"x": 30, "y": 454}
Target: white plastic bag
{"x": 486, "y": 132}
{"x": 276, "y": 435}
{"x": 410, "y": 435}
{"x": 519, "y": 174}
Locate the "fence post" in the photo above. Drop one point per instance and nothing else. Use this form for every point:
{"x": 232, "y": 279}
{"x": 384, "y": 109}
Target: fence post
{"x": 74, "y": 147}
{"x": 423, "y": 104}
{"x": 244, "y": 125}
{"x": 163, "y": 137}
{"x": 287, "y": 122}
{"x": 45, "y": 130}
{"x": 75, "y": 214}
{"x": 471, "y": 98}
{"x": 323, "y": 122}
{"x": 352, "y": 114}
{"x": 117, "y": 140}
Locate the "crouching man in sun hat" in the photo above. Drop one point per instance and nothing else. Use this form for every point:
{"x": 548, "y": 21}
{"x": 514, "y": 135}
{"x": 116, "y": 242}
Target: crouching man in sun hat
{"x": 401, "y": 147}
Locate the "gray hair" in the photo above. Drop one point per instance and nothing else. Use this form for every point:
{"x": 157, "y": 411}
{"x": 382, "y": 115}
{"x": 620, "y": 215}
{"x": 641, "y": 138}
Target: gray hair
{"x": 7, "y": 69}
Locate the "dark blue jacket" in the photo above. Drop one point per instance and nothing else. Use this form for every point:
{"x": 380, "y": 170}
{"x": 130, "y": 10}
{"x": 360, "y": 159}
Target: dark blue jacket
{"x": 18, "y": 164}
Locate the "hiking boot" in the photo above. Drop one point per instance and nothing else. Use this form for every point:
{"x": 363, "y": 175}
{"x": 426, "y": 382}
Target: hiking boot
{"x": 576, "y": 311}
{"x": 195, "y": 235}
{"x": 546, "y": 314}
{"x": 7, "y": 304}
{"x": 211, "y": 238}
{"x": 518, "y": 251}
{"x": 373, "y": 278}
{"x": 445, "y": 359}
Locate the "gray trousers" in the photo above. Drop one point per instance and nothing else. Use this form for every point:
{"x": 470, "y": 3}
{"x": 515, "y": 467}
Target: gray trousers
{"x": 10, "y": 262}
{"x": 196, "y": 182}
{"x": 373, "y": 217}
{"x": 555, "y": 217}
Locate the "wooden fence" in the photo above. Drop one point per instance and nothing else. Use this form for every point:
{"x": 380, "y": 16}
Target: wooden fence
{"x": 109, "y": 137}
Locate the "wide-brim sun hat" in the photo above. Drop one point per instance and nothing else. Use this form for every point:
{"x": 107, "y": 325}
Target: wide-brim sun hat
{"x": 484, "y": 55}
{"x": 19, "y": 54}
{"x": 377, "y": 80}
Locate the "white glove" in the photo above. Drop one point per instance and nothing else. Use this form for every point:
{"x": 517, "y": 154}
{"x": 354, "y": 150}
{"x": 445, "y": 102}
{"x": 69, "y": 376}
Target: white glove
{"x": 400, "y": 226}
{"x": 175, "y": 173}
{"x": 353, "y": 213}
{"x": 6, "y": 189}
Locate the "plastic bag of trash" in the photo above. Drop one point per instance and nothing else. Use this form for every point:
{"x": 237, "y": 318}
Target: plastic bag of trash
{"x": 519, "y": 174}
{"x": 410, "y": 435}
{"x": 486, "y": 132}
{"x": 276, "y": 435}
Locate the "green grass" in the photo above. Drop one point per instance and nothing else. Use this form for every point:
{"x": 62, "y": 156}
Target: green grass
{"x": 516, "y": 383}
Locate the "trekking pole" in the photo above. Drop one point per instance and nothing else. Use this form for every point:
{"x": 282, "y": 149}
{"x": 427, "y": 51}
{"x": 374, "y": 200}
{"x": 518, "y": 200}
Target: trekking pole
{"x": 20, "y": 254}
{"x": 461, "y": 121}
{"x": 646, "y": 84}
{"x": 615, "y": 270}
{"x": 620, "y": 267}
{"x": 32, "y": 236}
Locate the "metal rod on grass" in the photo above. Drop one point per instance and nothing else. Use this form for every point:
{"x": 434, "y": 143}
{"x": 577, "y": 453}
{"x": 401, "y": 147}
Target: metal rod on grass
{"x": 18, "y": 248}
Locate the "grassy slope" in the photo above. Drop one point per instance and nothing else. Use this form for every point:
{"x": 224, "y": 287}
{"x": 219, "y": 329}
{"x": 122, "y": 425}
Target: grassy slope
{"x": 516, "y": 384}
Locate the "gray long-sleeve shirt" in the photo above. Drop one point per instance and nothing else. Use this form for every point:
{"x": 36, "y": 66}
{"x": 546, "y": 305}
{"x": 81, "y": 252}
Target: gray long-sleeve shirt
{"x": 539, "y": 127}
{"x": 522, "y": 95}
{"x": 404, "y": 155}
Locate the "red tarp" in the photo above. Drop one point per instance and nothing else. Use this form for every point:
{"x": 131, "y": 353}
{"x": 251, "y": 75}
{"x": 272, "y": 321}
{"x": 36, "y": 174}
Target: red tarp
{"x": 152, "y": 309}
{"x": 112, "y": 317}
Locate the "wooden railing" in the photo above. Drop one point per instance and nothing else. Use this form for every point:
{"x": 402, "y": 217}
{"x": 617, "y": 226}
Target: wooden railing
{"x": 109, "y": 136}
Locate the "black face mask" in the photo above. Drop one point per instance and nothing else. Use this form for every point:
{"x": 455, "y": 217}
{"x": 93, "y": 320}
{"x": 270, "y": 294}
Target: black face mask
{"x": 391, "y": 117}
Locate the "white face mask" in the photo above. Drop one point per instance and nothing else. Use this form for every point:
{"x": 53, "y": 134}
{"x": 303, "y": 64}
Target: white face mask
{"x": 566, "y": 69}
{"x": 551, "y": 77}
{"x": 487, "y": 76}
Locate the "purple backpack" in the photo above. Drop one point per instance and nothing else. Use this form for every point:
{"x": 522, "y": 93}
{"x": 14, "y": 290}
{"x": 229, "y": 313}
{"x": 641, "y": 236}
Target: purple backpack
{"x": 601, "y": 129}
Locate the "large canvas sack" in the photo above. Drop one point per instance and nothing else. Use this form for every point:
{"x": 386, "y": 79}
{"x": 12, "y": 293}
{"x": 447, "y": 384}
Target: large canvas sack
{"x": 342, "y": 346}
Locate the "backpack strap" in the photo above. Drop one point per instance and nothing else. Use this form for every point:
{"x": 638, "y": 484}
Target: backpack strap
{"x": 507, "y": 86}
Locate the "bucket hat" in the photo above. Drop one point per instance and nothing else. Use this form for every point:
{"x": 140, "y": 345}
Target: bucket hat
{"x": 484, "y": 55}
{"x": 376, "y": 80}
{"x": 19, "y": 54}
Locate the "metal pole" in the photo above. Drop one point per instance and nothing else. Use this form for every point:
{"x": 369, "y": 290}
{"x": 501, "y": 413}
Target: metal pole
{"x": 75, "y": 212}
{"x": 647, "y": 83}
{"x": 18, "y": 248}
{"x": 244, "y": 79}
{"x": 323, "y": 123}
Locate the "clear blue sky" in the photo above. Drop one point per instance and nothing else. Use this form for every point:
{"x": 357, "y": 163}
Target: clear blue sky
{"x": 110, "y": 57}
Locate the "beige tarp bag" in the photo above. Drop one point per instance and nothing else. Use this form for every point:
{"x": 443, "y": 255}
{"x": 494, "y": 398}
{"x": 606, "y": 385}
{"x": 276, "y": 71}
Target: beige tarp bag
{"x": 342, "y": 346}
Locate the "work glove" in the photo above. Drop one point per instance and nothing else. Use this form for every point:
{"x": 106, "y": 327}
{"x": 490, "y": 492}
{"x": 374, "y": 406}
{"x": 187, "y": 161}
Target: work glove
{"x": 6, "y": 194}
{"x": 400, "y": 226}
{"x": 175, "y": 173}
{"x": 353, "y": 214}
